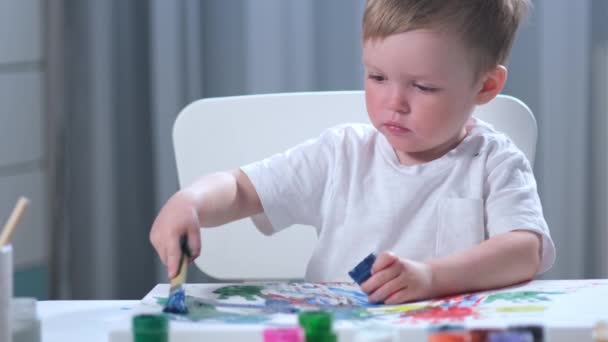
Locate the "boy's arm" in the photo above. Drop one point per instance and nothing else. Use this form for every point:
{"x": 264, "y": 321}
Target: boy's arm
{"x": 223, "y": 197}
{"x": 211, "y": 201}
{"x": 502, "y": 260}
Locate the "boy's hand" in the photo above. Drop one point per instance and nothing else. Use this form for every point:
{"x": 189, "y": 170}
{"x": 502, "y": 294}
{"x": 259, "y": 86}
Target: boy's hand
{"x": 395, "y": 280}
{"x": 178, "y": 217}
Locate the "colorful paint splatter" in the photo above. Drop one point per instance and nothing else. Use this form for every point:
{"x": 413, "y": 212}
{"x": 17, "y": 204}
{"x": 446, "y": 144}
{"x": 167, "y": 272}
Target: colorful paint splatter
{"x": 277, "y": 303}
{"x": 522, "y": 296}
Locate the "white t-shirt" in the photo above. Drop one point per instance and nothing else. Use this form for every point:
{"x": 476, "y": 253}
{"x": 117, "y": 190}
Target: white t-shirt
{"x": 349, "y": 185}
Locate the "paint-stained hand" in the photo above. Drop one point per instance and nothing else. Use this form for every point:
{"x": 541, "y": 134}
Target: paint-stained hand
{"x": 178, "y": 217}
{"x": 395, "y": 280}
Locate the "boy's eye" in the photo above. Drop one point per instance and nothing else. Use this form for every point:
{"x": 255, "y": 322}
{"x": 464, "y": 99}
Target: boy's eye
{"x": 425, "y": 89}
{"x": 377, "y": 78}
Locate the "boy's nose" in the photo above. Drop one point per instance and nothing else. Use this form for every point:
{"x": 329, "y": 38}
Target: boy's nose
{"x": 397, "y": 101}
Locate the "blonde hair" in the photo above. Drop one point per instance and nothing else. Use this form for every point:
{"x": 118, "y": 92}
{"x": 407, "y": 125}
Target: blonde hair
{"x": 486, "y": 26}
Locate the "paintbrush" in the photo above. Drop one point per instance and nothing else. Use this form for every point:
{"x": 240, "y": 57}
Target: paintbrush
{"x": 177, "y": 294}
{"x": 13, "y": 221}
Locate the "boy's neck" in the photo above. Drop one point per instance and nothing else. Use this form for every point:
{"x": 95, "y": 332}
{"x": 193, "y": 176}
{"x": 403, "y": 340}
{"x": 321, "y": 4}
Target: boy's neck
{"x": 415, "y": 158}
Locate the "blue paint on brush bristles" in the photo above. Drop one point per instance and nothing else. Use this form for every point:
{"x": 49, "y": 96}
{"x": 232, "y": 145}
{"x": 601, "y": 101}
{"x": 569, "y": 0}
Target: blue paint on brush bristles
{"x": 177, "y": 297}
{"x": 177, "y": 303}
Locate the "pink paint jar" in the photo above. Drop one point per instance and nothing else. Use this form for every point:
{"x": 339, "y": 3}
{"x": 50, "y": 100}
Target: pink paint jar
{"x": 291, "y": 334}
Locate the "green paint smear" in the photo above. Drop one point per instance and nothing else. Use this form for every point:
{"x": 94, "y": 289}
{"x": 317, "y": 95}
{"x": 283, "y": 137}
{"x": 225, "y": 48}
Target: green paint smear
{"x": 199, "y": 311}
{"x": 521, "y": 296}
{"x": 249, "y": 292}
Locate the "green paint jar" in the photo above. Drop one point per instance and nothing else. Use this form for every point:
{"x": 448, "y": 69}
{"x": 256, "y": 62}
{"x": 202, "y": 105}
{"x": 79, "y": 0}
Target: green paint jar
{"x": 317, "y": 326}
{"x": 150, "y": 328}
{"x": 326, "y": 337}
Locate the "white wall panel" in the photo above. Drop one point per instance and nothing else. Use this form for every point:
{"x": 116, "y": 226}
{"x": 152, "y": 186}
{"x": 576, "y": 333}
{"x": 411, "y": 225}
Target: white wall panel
{"x": 20, "y": 31}
{"x": 21, "y": 126}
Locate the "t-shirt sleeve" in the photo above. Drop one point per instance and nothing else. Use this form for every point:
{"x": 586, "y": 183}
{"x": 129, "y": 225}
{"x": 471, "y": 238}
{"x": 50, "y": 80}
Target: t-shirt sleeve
{"x": 512, "y": 201}
{"x": 291, "y": 185}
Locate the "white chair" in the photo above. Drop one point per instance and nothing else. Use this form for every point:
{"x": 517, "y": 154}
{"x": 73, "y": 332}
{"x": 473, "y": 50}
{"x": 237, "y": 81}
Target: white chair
{"x": 224, "y": 133}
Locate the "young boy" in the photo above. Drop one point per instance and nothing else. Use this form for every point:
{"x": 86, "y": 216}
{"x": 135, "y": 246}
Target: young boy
{"x": 449, "y": 204}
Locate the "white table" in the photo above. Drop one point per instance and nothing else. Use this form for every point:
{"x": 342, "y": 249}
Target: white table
{"x": 91, "y": 321}
{"x": 567, "y": 309}
{"x": 81, "y": 320}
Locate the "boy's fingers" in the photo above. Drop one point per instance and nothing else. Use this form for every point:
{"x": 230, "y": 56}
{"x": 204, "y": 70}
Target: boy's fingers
{"x": 173, "y": 255}
{"x": 387, "y": 290}
{"x": 399, "y": 297}
{"x": 379, "y": 279}
{"x": 194, "y": 243}
{"x": 383, "y": 261}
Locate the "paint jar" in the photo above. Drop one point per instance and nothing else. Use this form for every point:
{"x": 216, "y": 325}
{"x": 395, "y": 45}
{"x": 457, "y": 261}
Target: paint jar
{"x": 537, "y": 331}
{"x": 317, "y": 326}
{"x": 26, "y": 325}
{"x": 450, "y": 336}
{"x": 446, "y": 328}
{"x": 292, "y": 334}
{"x": 6, "y": 291}
{"x": 600, "y": 332}
{"x": 481, "y": 334}
{"x": 150, "y": 328}
{"x": 376, "y": 333}
{"x": 511, "y": 336}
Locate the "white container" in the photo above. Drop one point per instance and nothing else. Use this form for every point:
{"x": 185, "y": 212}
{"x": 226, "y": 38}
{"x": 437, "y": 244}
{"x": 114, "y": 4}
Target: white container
{"x": 26, "y": 325}
{"x": 6, "y": 292}
{"x": 376, "y": 332}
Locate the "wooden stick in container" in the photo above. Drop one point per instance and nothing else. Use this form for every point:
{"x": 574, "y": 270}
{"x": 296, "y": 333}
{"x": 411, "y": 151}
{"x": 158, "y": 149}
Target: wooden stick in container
{"x": 13, "y": 221}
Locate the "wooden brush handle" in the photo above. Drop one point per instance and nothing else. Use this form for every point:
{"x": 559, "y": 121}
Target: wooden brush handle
{"x": 13, "y": 220}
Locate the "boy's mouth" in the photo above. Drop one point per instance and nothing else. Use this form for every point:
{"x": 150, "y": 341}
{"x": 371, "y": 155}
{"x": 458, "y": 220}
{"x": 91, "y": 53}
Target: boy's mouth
{"x": 396, "y": 128}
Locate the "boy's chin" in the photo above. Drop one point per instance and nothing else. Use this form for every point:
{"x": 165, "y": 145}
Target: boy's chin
{"x": 405, "y": 146}
{"x": 409, "y": 146}
{"x": 415, "y": 153}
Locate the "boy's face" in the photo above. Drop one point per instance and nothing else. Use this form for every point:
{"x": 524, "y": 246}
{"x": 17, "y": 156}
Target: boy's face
{"x": 419, "y": 91}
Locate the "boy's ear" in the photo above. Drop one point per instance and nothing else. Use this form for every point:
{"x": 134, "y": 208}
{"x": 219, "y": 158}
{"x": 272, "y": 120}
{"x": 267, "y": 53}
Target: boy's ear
{"x": 492, "y": 83}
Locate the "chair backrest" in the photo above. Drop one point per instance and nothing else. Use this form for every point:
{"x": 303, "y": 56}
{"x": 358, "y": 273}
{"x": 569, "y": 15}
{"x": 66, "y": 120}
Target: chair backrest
{"x": 224, "y": 133}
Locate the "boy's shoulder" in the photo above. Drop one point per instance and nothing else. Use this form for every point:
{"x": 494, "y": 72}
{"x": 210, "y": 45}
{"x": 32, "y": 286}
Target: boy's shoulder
{"x": 484, "y": 130}
{"x": 492, "y": 141}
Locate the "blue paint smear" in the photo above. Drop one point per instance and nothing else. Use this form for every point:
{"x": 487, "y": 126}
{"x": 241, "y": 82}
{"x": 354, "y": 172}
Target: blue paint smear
{"x": 177, "y": 303}
{"x": 279, "y": 306}
{"x": 358, "y": 298}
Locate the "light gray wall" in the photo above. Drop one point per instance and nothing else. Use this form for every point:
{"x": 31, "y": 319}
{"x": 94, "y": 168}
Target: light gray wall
{"x": 106, "y": 167}
{"x": 23, "y": 164}
{"x": 564, "y": 123}
{"x": 598, "y": 184}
